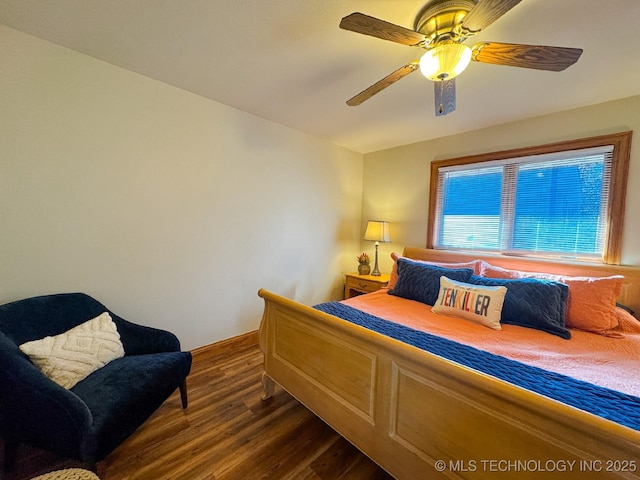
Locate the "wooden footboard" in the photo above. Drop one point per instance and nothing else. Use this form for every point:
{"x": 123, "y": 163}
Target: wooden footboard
{"x": 420, "y": 416}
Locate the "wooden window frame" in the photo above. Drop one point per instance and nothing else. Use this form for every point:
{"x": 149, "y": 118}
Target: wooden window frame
{"x": 612, "y": 251}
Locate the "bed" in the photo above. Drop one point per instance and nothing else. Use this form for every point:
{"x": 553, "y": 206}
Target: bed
{"x": 420, "y": 415}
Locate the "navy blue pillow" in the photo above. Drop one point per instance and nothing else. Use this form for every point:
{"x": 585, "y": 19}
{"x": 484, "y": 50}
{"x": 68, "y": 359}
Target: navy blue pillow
{"x": 533, "y": 303}
{"x": 421, "y": 282}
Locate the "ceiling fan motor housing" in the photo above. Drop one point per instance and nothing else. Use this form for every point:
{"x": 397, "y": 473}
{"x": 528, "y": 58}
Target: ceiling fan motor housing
{"x": 440, "y": 20}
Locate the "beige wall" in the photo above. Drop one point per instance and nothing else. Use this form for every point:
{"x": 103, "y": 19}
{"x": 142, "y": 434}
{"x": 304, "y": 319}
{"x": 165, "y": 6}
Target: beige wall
{"x": 396, "y": 181}
{"x": 171, "y": 209}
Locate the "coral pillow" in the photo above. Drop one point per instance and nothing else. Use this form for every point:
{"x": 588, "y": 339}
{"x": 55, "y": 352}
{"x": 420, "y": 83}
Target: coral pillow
{"x": 628, "y": 324}
{"x": 482, "y": 305}
{"x": 393, "y": 278}
{"x": 592, "y": 300}
{"x": 491, "y": 271}
{"x": 75, "y": 354}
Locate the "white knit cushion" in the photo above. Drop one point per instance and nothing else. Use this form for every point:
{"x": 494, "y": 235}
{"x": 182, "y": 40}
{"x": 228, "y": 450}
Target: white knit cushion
{"x": 68, "y": 474}
{"x": 73, "y": 355}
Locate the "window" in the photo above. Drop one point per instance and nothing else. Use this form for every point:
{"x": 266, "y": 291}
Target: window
{"x": 559, "y": 200}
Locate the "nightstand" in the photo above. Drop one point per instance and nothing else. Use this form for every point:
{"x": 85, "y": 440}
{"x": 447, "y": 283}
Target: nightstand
{"x": 356, "y": 284}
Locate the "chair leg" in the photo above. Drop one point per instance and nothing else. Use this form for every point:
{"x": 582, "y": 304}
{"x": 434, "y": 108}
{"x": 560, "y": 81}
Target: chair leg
{"x": 183, "y": 394}
{"x": 10, "y": 455}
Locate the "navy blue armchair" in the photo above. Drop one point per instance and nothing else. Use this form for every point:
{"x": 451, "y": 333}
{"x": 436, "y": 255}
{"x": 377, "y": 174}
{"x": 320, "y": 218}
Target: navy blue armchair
{"x": 88, "y": 421}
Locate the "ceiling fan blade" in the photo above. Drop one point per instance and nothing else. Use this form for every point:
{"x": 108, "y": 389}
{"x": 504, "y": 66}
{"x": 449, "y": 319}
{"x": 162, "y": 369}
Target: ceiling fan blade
{"x": 485, "y": 13}
{"x": 445, "y": 96}
{"x": 539, "y": 57}
{"x": 390, "y": 79}
{"x": 361, "y": 23}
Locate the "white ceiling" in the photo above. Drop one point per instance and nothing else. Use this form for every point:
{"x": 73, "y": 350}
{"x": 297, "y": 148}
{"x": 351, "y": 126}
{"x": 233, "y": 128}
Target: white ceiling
{"x": 287, "y": 61}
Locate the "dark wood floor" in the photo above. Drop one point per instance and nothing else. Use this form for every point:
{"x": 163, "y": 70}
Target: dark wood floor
{"x": 227, "y": 433}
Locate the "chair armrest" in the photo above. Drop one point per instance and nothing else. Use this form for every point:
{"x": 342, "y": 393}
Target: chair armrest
{"x": 142, "y": 340}
{"x": 32, "y": 404}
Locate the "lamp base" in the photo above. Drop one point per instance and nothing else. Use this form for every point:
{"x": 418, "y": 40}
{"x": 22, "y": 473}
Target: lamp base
{"x": 376, "y": 272}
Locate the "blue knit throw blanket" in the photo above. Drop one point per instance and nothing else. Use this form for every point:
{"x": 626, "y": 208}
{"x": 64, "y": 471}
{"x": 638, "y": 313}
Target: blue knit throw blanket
{"x": 604, "y": 402}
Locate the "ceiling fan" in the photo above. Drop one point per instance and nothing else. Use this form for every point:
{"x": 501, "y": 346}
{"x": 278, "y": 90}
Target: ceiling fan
{"x": 441, "y": 29}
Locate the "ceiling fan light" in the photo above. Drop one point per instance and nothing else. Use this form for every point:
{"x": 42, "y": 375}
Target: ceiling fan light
{"x": 445, "y": 62}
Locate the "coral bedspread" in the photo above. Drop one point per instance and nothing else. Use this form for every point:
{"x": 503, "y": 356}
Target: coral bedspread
{"x": 613, "y": 363}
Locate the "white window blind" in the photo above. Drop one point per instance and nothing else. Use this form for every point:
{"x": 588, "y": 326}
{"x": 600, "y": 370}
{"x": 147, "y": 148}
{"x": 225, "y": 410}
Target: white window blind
{"x": 545, "y": 205}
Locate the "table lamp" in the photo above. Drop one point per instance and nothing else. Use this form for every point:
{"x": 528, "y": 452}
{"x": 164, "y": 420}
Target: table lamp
{"x": 377, "y": 231}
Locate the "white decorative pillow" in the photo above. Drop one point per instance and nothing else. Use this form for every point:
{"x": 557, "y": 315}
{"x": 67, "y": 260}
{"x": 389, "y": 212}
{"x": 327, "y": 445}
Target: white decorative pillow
{"x": 481, "y": 305}
{"x": 73, "y": 355}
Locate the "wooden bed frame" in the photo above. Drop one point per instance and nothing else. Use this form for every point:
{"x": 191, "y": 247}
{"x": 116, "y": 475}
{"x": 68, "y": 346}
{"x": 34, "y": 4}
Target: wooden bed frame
{"x": 421, "y": 416}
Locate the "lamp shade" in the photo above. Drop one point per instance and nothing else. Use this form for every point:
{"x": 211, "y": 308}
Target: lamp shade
{"x": 377, "y": 231}
{"x": 445, "y": 61}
